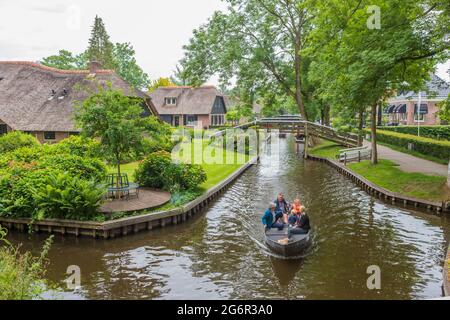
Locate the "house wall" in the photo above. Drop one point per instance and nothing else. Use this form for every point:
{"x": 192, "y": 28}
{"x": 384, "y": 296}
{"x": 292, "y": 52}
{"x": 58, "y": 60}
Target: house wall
{"x": 58, "y": 136}
{"x": 205, "y": 119}
{"x": 431, "y": 118}
{"x": 8, "y": 128}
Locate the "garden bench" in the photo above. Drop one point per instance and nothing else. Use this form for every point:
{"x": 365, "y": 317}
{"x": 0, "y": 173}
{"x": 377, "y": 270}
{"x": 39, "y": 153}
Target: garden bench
{"x": 119, "y": 185}
{"x": 354, "y": 154}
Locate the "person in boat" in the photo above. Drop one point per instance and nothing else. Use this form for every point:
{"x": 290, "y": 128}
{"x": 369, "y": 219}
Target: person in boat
{"x": 272, "y": 218}
{"x": 295, "y": 212}
{"x": 302, "y": 225}
{"x": 281, "y": 206}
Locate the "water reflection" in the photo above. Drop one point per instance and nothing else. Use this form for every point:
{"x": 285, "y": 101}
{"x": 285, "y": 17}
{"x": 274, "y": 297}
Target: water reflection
{"x": 221, "y": 253}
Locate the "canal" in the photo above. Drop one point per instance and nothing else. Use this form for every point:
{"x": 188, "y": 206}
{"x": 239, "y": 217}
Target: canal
{"x": 221, "y": 253}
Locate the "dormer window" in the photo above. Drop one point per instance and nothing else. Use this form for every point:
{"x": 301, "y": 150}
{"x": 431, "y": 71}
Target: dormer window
{"x": 169, "y": 101}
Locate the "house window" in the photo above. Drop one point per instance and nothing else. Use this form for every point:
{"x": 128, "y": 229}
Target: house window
{"x": 217, "y": 119}
{"x": 170, "y": 101}
{"x": 419, "y": 117}
{"x": 3, "y": 129}
{"x": 49, "y": 135}
{"x": 403, "y": 116}
{"x": 191, "y": 120}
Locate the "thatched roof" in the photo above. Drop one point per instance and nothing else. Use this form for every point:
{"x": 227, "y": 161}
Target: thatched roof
{"x": 190, "y": 100}
{"x": 34, "y": 97}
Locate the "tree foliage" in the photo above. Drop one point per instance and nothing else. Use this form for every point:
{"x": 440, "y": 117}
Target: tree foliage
{"x": 260, "y": 43}
{"x": 160, "y": 82}
{"x": 119, "y": 57}
{"x": 100, "y": 48}
{"x": 115, "y": 119}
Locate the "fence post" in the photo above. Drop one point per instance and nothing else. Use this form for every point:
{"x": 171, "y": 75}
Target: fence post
{"x": 345, "y": 158}
{"x": 359, "y": 156}
{"x": 448, "y": 175}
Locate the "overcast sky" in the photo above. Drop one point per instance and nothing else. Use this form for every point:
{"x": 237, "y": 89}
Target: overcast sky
{"x": 158, "y": 29}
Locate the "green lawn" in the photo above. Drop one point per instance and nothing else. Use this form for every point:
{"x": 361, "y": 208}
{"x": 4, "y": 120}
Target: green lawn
{"x": 326, "y": 149}
{"x": 214, "y": 172}
{"x": 386, "y": 174}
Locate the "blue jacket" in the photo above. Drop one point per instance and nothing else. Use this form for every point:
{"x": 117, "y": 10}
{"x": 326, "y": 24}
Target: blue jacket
{"x": 267, "y": 218}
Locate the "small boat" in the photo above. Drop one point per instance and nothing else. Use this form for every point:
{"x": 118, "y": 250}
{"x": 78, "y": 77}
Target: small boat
{"x": 292, "y": 246}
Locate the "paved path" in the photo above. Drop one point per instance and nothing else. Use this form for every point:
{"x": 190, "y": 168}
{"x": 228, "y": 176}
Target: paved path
{"x": 411, "y": 163}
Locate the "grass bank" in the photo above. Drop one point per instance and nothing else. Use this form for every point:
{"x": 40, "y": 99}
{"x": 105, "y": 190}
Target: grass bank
{"x": 389, "y": 176}
{"x": 216, "y": 172}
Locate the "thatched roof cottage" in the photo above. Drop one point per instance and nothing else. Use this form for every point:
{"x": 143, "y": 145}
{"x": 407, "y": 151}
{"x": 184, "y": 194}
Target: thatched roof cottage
{"x": 40, "y": 100}
{"x": 184, "y": 105}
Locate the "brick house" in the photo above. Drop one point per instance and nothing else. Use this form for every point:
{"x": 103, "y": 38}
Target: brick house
{"x": 190, "y": 106}
{"x": 40, "y": 100}
{"x": 403, "y": 109}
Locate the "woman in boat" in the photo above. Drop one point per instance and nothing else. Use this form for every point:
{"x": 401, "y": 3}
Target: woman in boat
{"x": 272, "y": 218}
{"x": 281, "y": 206}
{"x": 295, "y": 212}
{"x": 302, "y": 225}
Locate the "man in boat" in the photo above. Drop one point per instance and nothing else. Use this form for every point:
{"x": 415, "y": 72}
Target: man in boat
{"x": 272, "y": 218}
{"x": 281, "y": 206}
{"x": 302, "y": 225}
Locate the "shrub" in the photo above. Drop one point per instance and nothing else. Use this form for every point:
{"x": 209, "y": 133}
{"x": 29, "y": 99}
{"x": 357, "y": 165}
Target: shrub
{"x": 79, "y": 146}
{"x": 153, "y": 171}
{"x": 16, "y": 139}
{"x": 22, "y": 276}
{"x": 86, "y": 168}
{"x": 434, "y": 132}
{"x": 64, "y": 196}
{"x": 436, "y": 148}
{"x": 158, "y": 171}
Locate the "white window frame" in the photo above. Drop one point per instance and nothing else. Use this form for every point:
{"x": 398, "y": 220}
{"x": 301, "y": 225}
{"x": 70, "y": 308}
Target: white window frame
{"x": 170, "y": 101}
{"x": 416, "y": 117}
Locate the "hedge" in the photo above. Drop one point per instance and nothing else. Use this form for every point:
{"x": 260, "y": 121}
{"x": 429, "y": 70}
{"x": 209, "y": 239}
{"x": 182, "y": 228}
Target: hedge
{"x": 434, "y": 132}
{"x": 437, "y": 148}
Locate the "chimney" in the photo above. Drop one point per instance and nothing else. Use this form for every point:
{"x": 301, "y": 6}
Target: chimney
{"x": 94, "y": 66}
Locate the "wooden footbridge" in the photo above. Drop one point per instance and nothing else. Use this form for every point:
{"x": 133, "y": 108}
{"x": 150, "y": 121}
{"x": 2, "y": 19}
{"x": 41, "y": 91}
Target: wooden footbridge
{"x": 296, "y": 125}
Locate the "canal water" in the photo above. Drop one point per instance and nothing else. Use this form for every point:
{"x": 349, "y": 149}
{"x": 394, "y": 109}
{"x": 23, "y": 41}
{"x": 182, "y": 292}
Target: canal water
{"x": 221, "y": 253}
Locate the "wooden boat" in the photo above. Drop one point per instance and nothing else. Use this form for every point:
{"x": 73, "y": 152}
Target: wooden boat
{"x": 279, "y": 242}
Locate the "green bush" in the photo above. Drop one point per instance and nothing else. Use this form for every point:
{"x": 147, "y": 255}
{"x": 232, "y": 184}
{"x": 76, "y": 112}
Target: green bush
{"x": 434, "y": 132}
{"x": 79, "y": 146}
{"x": 436, "y": 148}
{"x": 158, "y": 171}
{"x": 22, "y": 276}
{"x": 86, "y": 168}
{"x": 64, "y": 196}
{"x": 27, "y": 172}
{"x": 16, "y": 139}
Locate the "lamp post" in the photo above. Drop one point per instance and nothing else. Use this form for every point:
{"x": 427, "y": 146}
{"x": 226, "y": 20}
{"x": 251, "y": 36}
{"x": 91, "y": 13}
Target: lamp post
{"x": 419, "y": 103}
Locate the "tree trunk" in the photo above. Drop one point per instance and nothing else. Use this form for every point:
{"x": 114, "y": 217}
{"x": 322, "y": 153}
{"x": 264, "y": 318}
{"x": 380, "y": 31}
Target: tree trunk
{"x": 298, "y": 83}
{"x": 373, "y": 125}
{"x": 327, "y": 115}
{"x": 360, "y": 128}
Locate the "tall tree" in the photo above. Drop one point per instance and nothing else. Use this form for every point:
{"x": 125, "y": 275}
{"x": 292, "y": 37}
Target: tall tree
{"x": 115, "y": 119}
{"x": 259, "y": 42}
{"x": 126, "y": 66}
{"x": 100, "y": 47}
{"x": 358, "y": 66}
